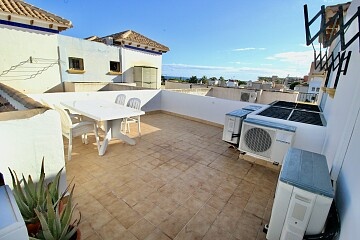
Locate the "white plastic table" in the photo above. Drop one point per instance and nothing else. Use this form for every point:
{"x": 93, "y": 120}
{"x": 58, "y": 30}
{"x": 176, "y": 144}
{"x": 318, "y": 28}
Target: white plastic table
{"x": 109, "y": 112}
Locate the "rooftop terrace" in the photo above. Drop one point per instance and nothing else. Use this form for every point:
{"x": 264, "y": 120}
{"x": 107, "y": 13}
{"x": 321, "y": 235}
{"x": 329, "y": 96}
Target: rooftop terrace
{"x": 180, "y": 181}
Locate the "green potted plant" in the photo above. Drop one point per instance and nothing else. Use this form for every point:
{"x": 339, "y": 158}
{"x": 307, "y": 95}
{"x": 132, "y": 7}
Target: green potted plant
{"x": 32, "y": 196}
{"x": 57, "y": 223}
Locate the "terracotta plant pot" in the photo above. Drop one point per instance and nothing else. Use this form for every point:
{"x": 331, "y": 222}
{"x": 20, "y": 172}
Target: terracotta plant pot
{"x": 33, "y": 228}
{"x": 76, "y": 236}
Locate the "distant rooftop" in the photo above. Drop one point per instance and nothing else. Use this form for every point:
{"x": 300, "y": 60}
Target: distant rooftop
{"x": 18, "y": 8}
{"x": 131, "y": 38}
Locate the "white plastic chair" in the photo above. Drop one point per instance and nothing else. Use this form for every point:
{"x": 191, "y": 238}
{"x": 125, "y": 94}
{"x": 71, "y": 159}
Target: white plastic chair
{"x": 74, "y": 116}
{"x": 136, "y": 104}
{"x": 120, "y": 99}
{"x": 71, "y": 130}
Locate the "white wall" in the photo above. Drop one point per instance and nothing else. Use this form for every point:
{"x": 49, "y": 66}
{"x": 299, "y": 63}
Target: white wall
{"x": 150, "y": 99}
{"x": 180, "y": 85}
{"x": 343, "y": 136}
{"x": 267, "y": 97}
{"x": 131, "y": 58}
{"x": 315, "y": 83}
{"x": 24, "y": 142}
{"x": 18, "y": 45}
{"x": 207, "y": 108}
{"x": 96, "y": 56}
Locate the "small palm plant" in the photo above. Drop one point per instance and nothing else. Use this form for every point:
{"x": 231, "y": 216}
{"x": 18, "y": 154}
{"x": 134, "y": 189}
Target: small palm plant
{"x": 57, "y": 223}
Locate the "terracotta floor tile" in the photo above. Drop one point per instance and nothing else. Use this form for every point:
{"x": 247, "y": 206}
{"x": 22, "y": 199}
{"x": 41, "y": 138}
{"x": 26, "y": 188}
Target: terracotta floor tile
{"x": 99, "y": 219}
{"x": 171, "y": 226}
{"x": 180, "y": 173}
{"x": 216, "y": 202}
{"x": 94, "y": 236}
{"x": 86, "y": 229}
{"x": 156, "y": 216}
{"x": 111, "y": 230}
{"x": 144, "y": 207}
{"x": 168, "y": 205}
{"x": 193, "y": 204}
{"x": 187, "y": 234}
{"x": 255, "y": 208}
{"x": 202, "y": 195}
{"x": 218, "y": 233}
{"x": 180, "y": 196}
{"x": 91, "y": 208}
{"x": 128, "y": 217}
{"x": 183, "y": 214}
{"x": 127, "y": 235}
{"x": 226, "y": 222}
{"x": 157, "y": 234}
{"x": 142, "y": 229}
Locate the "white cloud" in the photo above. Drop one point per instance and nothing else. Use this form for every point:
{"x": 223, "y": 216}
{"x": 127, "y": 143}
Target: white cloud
{"x": 297, "y": 58}
{"x": 247, "y": 49}
{"x": 238, "y": 62}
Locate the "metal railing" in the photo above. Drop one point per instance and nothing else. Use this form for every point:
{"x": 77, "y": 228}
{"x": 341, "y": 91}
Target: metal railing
{"x": 308, "y": 97}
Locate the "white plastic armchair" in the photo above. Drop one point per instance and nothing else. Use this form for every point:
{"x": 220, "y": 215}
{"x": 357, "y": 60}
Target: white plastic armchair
{"x": 74, "y": 116}
{"x": 71, "y": 130}
{"x": 120, "y": 99}
{"x": 136, "y": 104}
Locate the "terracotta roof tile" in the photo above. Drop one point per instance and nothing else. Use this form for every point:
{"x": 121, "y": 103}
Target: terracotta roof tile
{"x": 5, "y": 106}
{"x": 132, "y": 36}
{"x": 21, "y": 8}
{"x": 26, "y": 101}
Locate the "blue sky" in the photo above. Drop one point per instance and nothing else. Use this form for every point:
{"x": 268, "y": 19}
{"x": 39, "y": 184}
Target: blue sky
{"x": 230, "y": 38}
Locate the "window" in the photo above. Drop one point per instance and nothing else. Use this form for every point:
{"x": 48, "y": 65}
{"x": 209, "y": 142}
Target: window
{"x": 114, "y": 66}
{"x": 317, "y": 89}
{"x": 313, "y": 89}
{"x": 76, "y": 63}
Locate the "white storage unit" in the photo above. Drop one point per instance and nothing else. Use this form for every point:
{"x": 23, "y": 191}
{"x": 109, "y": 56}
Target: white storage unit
{"x": 266, "y": 140}
{"x": 12, "y": 225}
{"x": 303, "y": 196}
{"x": 145, "y": 76}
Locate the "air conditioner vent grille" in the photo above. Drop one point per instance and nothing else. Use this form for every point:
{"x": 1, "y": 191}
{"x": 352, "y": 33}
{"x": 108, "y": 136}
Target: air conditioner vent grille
{"x": 245, "y": 97}
{"x": 258, "y": 140}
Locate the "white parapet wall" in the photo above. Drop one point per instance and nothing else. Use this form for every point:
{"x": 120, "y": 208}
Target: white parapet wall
{"x": 25, "y": 142}
{"x": 210, "y": 109}
{"x": 150, "y": 99}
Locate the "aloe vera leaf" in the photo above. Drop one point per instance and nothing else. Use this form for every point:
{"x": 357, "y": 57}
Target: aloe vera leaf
{"x": 44, "y": 225}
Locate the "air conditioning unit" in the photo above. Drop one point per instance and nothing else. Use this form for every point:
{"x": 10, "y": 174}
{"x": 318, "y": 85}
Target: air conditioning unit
{"x": 266, "y": 140}
{"x": 303, "y": 197}
{"x": 232, "y": 125}
{"x": 248, "y": 96}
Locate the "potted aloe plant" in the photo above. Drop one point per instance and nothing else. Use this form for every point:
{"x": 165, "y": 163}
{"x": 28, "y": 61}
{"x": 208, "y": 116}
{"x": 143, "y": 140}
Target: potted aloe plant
{"x": 57, "y": 223}
{"x": 31, "y": 197}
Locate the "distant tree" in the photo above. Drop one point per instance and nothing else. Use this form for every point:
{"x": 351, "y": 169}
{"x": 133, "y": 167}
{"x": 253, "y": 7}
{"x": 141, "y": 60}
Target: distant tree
{"x": 242, "y": 83}
{"x": 222, "y": 81}
{"x": 204, "y": 79}
{"x": 193, "y": 79}
{"x": 213, "y": 78}
{"x": 292, "y": 86}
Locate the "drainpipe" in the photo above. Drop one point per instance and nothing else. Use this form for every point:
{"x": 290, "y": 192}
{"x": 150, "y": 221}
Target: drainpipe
{"x": 121, "y": 61}
{"x": 59, "y": 62}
